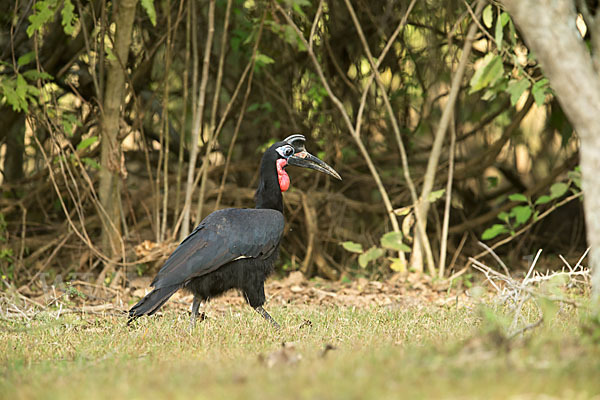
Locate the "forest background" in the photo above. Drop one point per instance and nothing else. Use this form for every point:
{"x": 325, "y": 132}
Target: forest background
{"x": 125, "y": 123}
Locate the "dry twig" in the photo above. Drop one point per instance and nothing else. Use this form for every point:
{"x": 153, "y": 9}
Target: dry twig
{"x": 517, "y": 293}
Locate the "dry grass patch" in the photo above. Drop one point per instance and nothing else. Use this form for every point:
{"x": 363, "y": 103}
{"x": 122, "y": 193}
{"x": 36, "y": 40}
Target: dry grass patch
{"x": 327, "y": 352}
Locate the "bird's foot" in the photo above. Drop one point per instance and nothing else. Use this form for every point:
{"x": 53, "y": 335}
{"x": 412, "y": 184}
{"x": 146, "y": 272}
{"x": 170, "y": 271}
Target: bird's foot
{"x": 200, "y": 316}
{"x": 266, "y": 316}
{"x": 195, "y": 313}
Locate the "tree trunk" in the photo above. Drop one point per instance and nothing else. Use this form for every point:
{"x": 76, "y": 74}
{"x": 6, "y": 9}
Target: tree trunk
{"x": 548, "y": 27}
{"x": 111, "y": 154}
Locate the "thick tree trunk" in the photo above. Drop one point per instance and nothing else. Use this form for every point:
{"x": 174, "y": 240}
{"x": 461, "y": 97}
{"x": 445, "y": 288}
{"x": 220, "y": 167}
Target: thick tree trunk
{"x": 548, "y": 27}
{"x": 110, "y": 173}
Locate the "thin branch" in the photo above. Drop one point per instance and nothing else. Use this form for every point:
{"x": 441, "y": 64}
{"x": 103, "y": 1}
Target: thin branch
{"x": 446, "y": 221}
{"x": 526, "y": 328}
{"x": 164, "y": 136}
{"x": 339, "y": 105}
{"x": 213, "y": 116}
{"x": 240, "y": 118}
{"x": 380, "y": 59}
{"x": 186, "y": 77}
{"x": 537, "y": 256}
{"x": 185, "y": 229}
{"x": 423, "y": 205}
{"x": 529, "y": 225}
{"x": 218, "y": 130}
{"x": 314, "y": 24}
{"x": 392, "y": 116}
{"x": 498, "y": 259}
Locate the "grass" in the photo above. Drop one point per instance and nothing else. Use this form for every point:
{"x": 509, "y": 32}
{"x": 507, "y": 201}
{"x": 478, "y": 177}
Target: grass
{"x": 378, "y": 353}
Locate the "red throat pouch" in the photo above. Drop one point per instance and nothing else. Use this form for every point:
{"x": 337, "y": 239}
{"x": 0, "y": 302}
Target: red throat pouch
{"x": 284, "y": 179}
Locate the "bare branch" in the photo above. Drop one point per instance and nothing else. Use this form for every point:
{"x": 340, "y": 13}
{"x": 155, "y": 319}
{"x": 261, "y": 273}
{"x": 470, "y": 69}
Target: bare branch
{"x": 336, "y": 101}
{"x": 405, "y": 168}
{"x": 198, "y": 118}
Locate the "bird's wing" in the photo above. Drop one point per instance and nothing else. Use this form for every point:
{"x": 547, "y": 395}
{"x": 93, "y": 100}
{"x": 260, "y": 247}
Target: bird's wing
{"x": 222, "y": 237}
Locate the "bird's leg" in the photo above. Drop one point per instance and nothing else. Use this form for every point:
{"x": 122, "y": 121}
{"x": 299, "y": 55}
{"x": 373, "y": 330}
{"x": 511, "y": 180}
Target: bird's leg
{"x": 266, "y": 316}
{"x": 195, "y": 306}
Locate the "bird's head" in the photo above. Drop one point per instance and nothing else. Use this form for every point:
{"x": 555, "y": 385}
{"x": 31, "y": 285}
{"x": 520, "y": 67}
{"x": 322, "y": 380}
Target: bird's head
{"x": 291, "y": 151}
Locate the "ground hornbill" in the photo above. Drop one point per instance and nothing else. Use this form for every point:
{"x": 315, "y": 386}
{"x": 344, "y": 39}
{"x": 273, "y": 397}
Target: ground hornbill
{"x": 234, "y": 248}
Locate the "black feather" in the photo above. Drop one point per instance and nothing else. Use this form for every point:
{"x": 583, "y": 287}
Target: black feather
{"x": 152, "y": 302}
{"x": 229, "y": 249}
{"x": 222, "y": 237}
{"x": 232, "y": 248}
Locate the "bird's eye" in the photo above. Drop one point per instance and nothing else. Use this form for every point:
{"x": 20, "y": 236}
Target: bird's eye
{"x": 285, "y": 151}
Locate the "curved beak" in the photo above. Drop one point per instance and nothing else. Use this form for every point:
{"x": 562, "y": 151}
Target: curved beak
{"x": 306, "y": 160}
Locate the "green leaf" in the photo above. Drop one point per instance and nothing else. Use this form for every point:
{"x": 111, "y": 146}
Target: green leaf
{"x": 575, "y": 176}
{"x": 516, "y": 88}
{"x": 488, "y": 73}
{"x": 372, "y": 254}
{"x": 513, "y": 32}
{"x": 262, "y": 59}
{"x": 353, "y": 247}
{"x": 435, "y": 195}
{"x": 488, "y": 17}
{"x": 267, "y": 106}
{"x": 499, "y": 34}
{"x": 402, "y": 211}
{"x": 518, "y": 197}
{"x": 493, "y": 231}
{"x": 492, "y": 181}
{"x": 543, "y": 200}
{"x": 26, "y": 59}
{"x": 33, "y": 75}
{"x": 558, "y": 189}
{"x": 503, "y": 216}
{"x": 68, "y": 17}
{"x": 87, "y": 142}
{"x": 290, "y": 36}
{"x": 21, "y": 88}
{"x": 522, "y": 214}
{"x": 393, "y": 241}
{"x": 7, "y": 91}
{"x": 297, "y": 4}
{"x": 398, "y": 264}
{"x": 33, "y": 93}
{"x": 110, "y": 55}
{"x": 539, "y": 91}
{"x": 253, "y": 107}
{"x": 68, "y": 122}
{"x": 90, "y": 162}
{"x": 43, "y": 13}
{"x": 362, "y": 261}
{"x": 148, "y": 6}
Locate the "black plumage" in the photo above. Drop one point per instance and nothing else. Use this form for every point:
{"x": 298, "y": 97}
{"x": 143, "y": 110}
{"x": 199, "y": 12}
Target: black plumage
{"x": 234, "y": 248}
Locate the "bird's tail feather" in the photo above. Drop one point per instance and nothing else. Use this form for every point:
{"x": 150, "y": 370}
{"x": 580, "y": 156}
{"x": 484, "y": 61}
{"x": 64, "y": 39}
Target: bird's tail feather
{"x": 152, "y": 302}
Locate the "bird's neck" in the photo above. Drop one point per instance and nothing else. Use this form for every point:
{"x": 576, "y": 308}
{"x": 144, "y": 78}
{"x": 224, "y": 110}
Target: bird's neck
{"x": 268, "y": 194}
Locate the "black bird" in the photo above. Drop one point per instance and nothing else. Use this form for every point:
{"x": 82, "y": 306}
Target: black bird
{"x": 234, "y": 248}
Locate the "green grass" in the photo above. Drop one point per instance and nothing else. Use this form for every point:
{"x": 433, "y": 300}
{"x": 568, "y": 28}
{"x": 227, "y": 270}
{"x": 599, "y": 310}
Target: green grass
{"x": 379, "y": 353}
